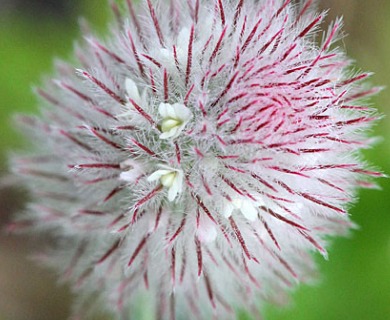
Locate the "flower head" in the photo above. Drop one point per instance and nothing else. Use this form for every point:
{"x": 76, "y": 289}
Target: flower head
{"x": 197, "y": 157}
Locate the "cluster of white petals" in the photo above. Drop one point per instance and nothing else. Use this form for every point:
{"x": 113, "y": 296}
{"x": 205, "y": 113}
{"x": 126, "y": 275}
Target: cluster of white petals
{"x": 174, "y": 119}
{"x": 170, "y": 178}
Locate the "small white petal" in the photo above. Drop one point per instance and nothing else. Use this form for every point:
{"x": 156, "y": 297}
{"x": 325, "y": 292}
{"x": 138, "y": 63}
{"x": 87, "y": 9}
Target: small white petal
{"x": 248, "y": 208}
{"x": 228, "y": 210}
{"x": 171, "y": 112}
{"x": 132, "y": 90}
{"x": 163, "y": 109}
{"x": 173, "y": 191}
{"x": 179, "y": 180}
{"x": 166, "y": 110}
{"x": 177, "y": 185}
{"x": 182, "y": 112}
{"x": 158, "y": 174}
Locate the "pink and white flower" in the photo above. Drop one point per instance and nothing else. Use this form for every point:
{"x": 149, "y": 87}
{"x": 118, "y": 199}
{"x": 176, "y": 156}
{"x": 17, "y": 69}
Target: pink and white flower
{"x": 197, "y": 157}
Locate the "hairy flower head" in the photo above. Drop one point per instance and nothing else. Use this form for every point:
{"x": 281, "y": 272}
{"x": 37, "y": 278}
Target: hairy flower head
{"x": 194, "y": 159}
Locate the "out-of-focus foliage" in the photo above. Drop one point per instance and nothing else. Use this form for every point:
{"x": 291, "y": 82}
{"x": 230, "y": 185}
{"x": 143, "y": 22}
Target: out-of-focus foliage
{"x": 29, "y": 43}
{"x": 353, "y": 284}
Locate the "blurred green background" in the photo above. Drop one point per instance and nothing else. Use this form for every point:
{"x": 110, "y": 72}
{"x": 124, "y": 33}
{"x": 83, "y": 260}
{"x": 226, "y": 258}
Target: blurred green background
{"x": 353, "y": 284}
